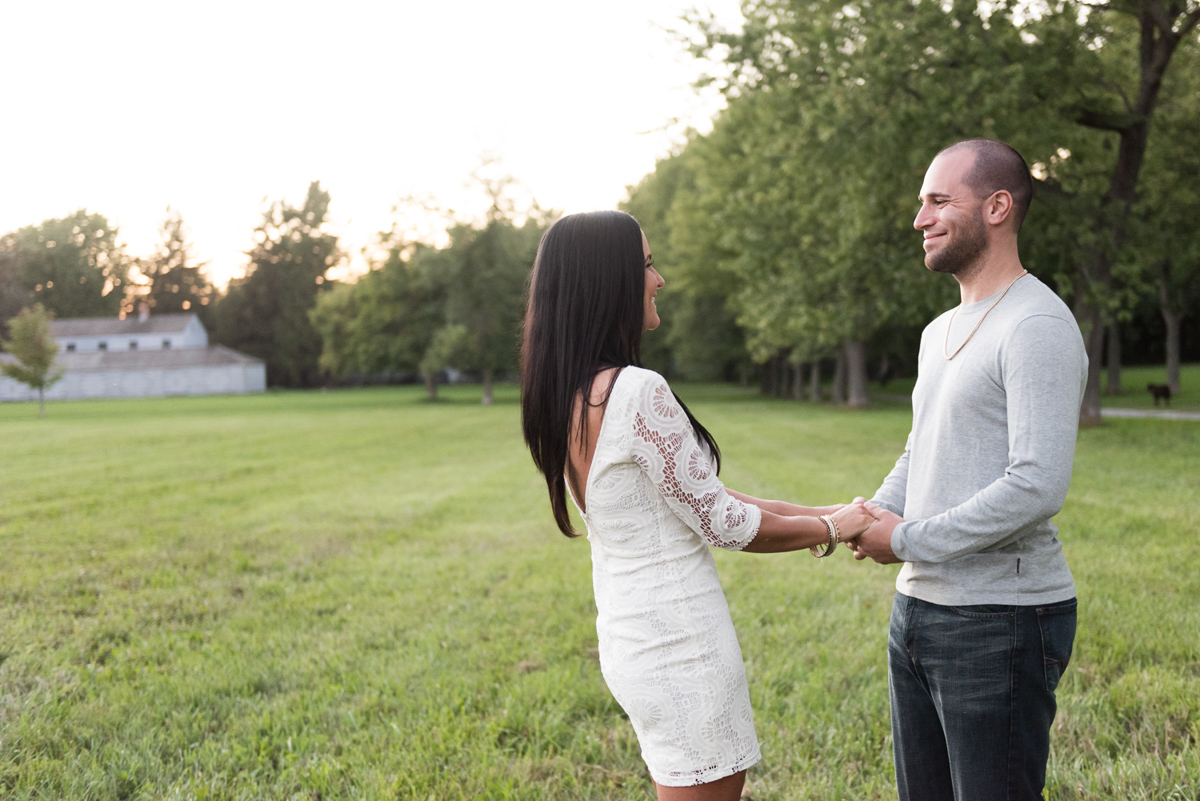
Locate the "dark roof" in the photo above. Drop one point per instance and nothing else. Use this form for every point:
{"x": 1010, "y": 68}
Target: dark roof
{"x": 113, "y": 326}
{"x": 93, "y": 361}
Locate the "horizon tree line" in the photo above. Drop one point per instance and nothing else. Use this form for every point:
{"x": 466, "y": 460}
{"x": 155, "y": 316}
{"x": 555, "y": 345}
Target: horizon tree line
{"x": 785, "y": 232}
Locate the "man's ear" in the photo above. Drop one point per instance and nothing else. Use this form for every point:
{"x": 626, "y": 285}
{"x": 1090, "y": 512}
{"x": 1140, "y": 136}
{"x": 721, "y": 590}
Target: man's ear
{"x": 998, "y": 207}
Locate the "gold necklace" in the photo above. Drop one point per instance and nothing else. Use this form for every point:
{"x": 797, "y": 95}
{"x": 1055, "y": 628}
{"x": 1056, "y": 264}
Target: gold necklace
{"x": 946, "y": 341}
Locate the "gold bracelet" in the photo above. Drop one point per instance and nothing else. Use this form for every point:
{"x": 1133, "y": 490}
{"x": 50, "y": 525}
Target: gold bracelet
{"x": 837, "y": 532}
{"x": 834, "y": 538}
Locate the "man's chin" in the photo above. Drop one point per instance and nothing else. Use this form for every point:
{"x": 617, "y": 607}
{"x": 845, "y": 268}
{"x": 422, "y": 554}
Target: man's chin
{"x": 940, "y": 266}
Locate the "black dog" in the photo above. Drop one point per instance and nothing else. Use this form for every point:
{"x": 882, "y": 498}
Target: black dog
{"x": 1160, "y": 392}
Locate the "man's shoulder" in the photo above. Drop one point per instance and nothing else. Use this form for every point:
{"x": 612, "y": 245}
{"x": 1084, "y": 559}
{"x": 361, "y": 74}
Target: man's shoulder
{"x": 1035, "y": 299}
{"x": 938, "y": 322}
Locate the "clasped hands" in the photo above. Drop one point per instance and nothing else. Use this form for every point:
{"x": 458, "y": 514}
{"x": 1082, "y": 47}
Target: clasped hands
{"x": 867, "y": 529}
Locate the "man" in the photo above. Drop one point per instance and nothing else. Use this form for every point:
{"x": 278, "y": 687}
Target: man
{"x": 984, "y": 616}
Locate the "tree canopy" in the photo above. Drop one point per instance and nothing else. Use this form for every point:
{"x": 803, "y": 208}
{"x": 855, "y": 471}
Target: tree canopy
{"x": 176, "y": 280}
{"x": 266, "y": 312}
{"x": 73, "y": 266}
{"x": 797, "y": 208}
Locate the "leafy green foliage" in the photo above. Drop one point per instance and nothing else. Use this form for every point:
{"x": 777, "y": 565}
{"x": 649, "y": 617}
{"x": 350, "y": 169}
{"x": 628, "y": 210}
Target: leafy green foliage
{"x": 386, "y": 320}
{"x": 73, "y": 266}
{"x": 265, "y": 313}
{"x": 798, "y": 205}
{"x": 698, "y": 337}
{"x": 1124, "y": 54}
{"x": 1164, "y": 251}
{"x": 13, "y": 296}
{"x": 177, "y": 282}
{"x": 34, "y": 347}
{"x": 484, "y": 272}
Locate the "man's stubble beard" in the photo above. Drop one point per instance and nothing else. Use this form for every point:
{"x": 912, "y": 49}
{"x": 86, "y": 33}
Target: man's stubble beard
{"x": 963, "y": 252}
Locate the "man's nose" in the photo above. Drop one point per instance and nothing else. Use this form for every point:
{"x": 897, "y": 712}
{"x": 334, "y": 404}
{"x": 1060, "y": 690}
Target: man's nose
{"x": 924, "y": 218}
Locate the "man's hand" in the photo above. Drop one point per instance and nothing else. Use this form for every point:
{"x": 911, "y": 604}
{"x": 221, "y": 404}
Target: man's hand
{"x": 876, "y": 541}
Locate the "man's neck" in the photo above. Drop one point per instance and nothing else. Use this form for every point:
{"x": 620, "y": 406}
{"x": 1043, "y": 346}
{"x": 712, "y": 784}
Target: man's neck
{"x": 988, "y": 277}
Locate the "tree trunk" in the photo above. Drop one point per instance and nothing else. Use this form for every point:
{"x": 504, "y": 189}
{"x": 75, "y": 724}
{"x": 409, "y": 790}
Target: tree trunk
{"x": 1172, "y": 319}
{"x": 430, "y": 384}
{"x": 487, "y": 387}
{"x": 1156, "y": 45}
{"x": 41, "y": 402}
{"x": 839, "y": 379}
{"x": 1114, "y": 359}
{"x": 856, "y": 374}
{"x": 798, "y": 382}
{"x": 814, "y": 382}
{"x": 1087, "y": 315}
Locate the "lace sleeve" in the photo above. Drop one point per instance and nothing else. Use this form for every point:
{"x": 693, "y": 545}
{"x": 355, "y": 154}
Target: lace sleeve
{"x": 666, "y": 448}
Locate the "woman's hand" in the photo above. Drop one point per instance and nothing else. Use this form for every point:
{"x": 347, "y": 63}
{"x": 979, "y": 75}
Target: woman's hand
{"x": 853, "y": 519}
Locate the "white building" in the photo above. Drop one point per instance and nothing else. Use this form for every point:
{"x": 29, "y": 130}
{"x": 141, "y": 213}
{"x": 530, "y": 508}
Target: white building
{"x": 144, "y": 332}
{"x": 138, "y": 357}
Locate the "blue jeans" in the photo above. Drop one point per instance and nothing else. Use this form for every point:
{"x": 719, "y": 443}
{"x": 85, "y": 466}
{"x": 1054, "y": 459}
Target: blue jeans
{"x": 972, "y": 694}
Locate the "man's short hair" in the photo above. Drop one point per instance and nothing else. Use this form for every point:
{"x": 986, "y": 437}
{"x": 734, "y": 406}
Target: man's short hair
{"x": 998, "y": 166}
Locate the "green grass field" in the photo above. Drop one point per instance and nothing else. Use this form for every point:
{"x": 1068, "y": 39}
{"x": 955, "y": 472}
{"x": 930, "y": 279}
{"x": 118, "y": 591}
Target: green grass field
{"x": 359, "y": 594}
{"x": 1134, "y": 394}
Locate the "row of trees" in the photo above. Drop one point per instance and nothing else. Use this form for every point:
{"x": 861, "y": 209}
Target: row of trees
{"x": 423, "y": 308}
{"x": 785, "y": 232}
{"x": 419, "y": 310}
{"x": 76, "y": 266}
{"x": 789, "y": 224}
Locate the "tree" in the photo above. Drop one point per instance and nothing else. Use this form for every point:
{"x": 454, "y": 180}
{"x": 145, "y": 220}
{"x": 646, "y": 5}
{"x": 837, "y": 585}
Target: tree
{"x": 265, "y": 312}
{"x": 1125, "y": 50}
{"x": 835, "y": 110}
{"x": 13, "y": 295}
{"x": 34, "y": 348}
{"x": 384, "y": 322}
{"x": 73, "y": 266}
{"x": 484, "y": 271}
{"x": 699, "y": 337}
{"x": 865, "y": 91}
{"x": 177, "y": 282}
{"x": 1163, "y": 247}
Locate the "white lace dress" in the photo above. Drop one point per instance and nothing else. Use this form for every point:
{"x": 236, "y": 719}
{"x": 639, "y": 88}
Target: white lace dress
{"x": 668, "y": 650}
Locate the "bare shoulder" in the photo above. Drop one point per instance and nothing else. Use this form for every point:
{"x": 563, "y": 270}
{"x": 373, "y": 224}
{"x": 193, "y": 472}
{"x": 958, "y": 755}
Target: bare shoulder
{"x": 601, "y": 385}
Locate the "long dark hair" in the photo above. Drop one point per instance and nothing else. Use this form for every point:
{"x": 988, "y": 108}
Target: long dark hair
{"x": 585, "y": 314}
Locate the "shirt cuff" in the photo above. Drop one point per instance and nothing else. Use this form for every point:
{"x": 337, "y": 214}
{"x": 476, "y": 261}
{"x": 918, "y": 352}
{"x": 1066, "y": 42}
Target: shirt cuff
{"x": 886, "y": 505}
{"x": 899, "y": 543}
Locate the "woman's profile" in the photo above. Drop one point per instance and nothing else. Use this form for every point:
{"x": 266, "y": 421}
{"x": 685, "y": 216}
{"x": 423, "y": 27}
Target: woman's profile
{"x": 642, "y": 472}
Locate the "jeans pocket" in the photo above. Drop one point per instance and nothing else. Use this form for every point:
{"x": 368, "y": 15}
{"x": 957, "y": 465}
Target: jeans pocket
{"x": 1056, "y": 623}
{"x": 983, "y": 611}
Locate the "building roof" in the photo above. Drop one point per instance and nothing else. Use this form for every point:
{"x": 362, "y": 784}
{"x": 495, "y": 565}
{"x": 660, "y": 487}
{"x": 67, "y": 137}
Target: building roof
{"x": 96, "y": 361}
{"x": 113, "y": 326}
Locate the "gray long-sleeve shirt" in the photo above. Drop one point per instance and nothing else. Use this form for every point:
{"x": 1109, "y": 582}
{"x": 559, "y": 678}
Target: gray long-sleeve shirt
{"x": 988, "y": 461}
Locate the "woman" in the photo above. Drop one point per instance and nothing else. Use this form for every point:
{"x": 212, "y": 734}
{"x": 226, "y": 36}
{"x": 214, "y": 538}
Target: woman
{"x": 640, "y": 469}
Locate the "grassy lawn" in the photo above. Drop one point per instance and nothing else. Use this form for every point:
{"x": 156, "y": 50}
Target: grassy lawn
{"x": 1134, "y": 394}
{"x": 358, "y": 594}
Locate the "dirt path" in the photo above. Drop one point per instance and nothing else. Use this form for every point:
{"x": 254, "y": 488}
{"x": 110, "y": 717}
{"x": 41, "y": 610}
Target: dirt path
{"x": 1161, "y": 414}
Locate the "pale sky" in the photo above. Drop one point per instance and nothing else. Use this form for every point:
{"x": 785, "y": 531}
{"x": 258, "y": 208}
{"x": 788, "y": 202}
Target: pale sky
{"x": 124, "y": 108}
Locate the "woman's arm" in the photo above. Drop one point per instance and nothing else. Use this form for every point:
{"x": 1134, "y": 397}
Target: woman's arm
{"x": 778, "y": 533}
{"x": 785, "y": 509}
